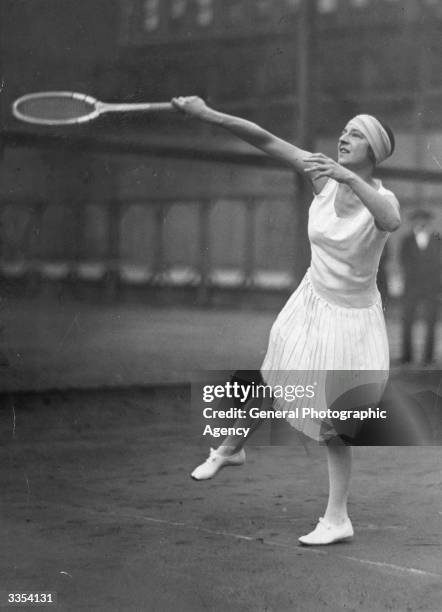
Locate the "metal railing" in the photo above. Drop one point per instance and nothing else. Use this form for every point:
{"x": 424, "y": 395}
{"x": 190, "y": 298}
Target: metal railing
{"x": 43, "y": 242}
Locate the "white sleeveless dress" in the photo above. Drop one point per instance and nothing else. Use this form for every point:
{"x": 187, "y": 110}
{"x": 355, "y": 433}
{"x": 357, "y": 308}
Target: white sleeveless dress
{"x": 334, "y": 319}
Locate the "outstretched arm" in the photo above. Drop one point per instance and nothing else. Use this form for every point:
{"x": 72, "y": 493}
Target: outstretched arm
{"x": 250, "y": 132}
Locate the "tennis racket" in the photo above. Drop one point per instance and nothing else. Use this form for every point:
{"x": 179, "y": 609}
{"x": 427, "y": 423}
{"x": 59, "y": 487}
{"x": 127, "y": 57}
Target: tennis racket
{"x": 70, "y": 108}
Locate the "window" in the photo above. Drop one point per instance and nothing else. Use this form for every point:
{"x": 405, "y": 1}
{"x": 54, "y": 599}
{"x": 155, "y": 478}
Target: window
{"x": 360, "y": 3}
{"x": 327, "y": 6}
{"x": 178, "y": 9}
{"x": 293, "y": 5}
{"x": 151, "y": 18}
{"x": 204, "y": 14}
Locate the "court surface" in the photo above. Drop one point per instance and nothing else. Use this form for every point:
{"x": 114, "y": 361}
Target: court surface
{"x": 98, "y": 506}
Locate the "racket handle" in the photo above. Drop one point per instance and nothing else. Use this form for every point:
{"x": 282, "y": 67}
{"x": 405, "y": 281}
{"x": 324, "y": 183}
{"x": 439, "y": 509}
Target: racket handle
{"x": 154, "y": 107}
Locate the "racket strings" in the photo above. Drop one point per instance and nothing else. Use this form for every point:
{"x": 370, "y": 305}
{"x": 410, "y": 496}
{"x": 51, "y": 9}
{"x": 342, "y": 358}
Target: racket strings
{"x": 54, "y": 108}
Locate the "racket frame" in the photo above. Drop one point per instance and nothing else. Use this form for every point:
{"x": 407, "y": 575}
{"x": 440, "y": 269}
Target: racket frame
{"x": 98, "y": 107}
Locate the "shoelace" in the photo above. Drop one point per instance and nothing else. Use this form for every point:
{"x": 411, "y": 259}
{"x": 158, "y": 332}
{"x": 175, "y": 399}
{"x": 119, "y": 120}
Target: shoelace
{"x": 328, "y": 525}
{"x": 212, "y": 456}
{"x": 324, "y": 523}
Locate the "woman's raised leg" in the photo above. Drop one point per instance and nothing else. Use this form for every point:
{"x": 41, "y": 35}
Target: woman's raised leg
{"x": 231, "y": 451}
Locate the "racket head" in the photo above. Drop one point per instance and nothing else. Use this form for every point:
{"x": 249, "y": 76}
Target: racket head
{"x": 56, "y": 108}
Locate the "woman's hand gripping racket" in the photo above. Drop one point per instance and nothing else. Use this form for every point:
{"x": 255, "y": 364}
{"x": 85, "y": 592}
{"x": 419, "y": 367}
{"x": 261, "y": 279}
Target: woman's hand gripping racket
{"x": 69, "y": 108}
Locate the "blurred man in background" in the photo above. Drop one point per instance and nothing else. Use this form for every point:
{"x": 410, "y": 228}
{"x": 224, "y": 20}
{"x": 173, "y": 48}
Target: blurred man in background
{"x": 382, "y": 277}
{"x": 420, "y": 257}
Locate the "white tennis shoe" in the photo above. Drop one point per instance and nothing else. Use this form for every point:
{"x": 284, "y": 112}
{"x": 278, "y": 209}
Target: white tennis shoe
{"x": 215, "y": 462}
{"x": 327, "y": 533}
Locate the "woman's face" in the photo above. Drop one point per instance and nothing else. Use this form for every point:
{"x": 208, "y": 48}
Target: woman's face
{"x": 353, "y": 148}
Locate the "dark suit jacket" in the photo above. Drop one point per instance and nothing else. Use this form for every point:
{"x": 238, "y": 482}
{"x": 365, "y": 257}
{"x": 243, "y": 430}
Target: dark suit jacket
{"x": 422, "y": 268}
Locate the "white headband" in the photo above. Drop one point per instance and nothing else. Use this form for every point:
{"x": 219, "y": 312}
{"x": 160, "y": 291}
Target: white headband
{"x": 376, "y": 135}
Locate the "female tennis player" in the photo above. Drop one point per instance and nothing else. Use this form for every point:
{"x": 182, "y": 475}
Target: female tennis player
{"x": 334, "y": 320}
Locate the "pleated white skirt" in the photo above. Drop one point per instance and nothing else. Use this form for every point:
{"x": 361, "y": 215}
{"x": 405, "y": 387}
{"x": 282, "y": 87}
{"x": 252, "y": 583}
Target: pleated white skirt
{"x": 312, "y": 337}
